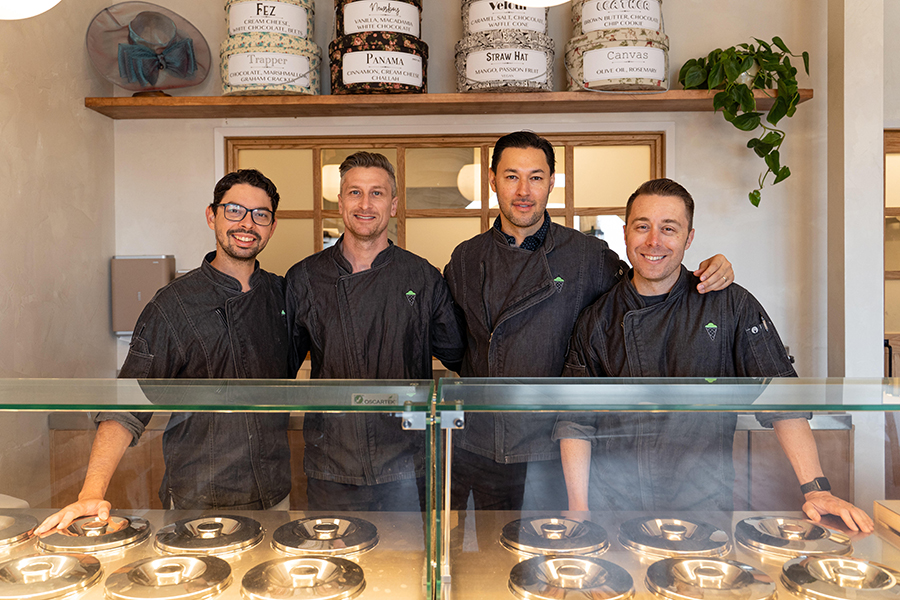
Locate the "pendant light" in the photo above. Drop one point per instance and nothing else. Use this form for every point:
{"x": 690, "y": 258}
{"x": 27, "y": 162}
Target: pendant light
{"x": 13, "y": 10}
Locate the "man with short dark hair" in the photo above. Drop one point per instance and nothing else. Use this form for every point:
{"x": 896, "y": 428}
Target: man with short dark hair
{"x": 366, "y": 309}
{"x": 519, "y": 288}
{"x": 223, "y": 320}
{"x": 654, "y": 323}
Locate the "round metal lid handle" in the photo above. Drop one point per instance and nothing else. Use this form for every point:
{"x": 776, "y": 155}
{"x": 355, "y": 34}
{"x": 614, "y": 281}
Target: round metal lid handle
{"x": 709, "y": 577}
{"x": 673, "y": 532}
{"x": 325, "y": 531}
{"x": 95, "y": 528}
{"x": 553, "y": 531}
{"x": 571, "y": 576}
{"x": 849, "y": 577}
{"x": 304, "y": 576}
{"x": 210, "y": 530}
{"x": 37, "y": 572}
{"x": 169, "y": 574}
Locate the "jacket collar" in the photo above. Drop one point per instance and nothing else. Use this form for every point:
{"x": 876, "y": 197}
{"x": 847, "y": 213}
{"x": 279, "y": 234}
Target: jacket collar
{"x": 224, "y": 280}
{"x": 500, "y": 238}
{"x": 338, "y": 255}
{"x": 636, "y": 301}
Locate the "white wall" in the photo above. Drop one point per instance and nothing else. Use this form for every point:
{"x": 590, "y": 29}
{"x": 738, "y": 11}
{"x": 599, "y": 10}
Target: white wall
{"x": 891, "y": 64}
{"x": 56, "y": 189}
{"x": 777, "y": 249}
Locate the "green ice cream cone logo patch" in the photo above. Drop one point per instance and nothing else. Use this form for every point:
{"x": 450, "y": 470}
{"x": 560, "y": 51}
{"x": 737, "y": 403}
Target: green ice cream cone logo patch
{"x": 411, "y": 297}
{"x": 711, "y": 329}
{"x": 559, "y": 281}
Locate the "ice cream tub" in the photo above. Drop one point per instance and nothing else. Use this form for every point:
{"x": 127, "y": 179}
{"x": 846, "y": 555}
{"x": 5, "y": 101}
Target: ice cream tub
{"x": 289, "y": 17}
{"x": 360, "y": 16}
{"x": 378, "y": 62}
{"x": 492, "y": 15}
{"x": 504, "y": 60}
{"x": 269, "y": 63}
{"x": 604, "y": 15}
{"x": 620, "y": 60}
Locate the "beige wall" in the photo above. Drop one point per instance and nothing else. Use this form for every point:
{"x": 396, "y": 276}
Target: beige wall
{"x": 56, "y": 188}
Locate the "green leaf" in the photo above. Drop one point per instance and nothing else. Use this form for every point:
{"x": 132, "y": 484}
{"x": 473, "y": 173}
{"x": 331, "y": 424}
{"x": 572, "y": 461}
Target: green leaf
{"x": 772, "y": 138}
{"x": 746, "y": 99}
{"x": 777, "y": 41}
{"x": 806, "y": 62}
{"x": 759, "y": 147}
{"x": 730, "y": 116}
{"x": 773, "y": 161}
{"x": 684, "y": 69}
{"x": 779, "y": 109}
{"x": 716, "y": 76}
{"x": 763, "y": 44}
{"x": 783, "y": 174}
{"x": 747, "y": 64}
{"x": 695, "y": 77}
{"x": 732, "y": 68}
{"x": 747, "y": 121}
{"x": 755, "y": 198}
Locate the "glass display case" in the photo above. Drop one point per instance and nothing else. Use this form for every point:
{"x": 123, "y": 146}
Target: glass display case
{"x": 685, "y": 491}
{"x": 677, "y": 489}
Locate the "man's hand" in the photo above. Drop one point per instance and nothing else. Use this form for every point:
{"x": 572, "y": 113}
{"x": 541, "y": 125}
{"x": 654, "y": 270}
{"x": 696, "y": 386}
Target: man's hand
{"x": 715, "y": 274}
{"x": 824, "y": 503}
{"x": 82, "y": 508}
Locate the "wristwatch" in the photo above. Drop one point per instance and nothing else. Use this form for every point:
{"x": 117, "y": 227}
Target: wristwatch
{"x": 819, "y": 484}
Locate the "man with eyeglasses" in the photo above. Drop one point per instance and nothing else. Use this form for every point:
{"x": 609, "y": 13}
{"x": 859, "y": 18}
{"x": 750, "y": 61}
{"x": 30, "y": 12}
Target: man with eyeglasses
{"x": 224, "y": 320}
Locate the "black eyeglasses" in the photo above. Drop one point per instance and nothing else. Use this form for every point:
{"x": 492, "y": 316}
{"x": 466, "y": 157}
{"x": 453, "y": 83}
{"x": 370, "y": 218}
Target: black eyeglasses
{"x": 235, "y": 212}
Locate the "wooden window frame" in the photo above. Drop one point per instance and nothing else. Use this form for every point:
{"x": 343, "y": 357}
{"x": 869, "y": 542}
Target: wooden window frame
{"x": 891, "y": 146}
{"x": 569, "y": 141}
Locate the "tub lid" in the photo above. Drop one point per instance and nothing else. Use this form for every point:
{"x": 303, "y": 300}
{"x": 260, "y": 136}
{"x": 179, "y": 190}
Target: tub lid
{"x": 840, "y": 578}
{"x": 90, "y": 534}
{"x": 699, "y": 578}
{"x": 332, "y": 535}
{"x": 673, "y": 537}
{"x": 213, "y": 534}
{"x": 384, "y": 41}
{"x": 570, "y": 578}
{"x": 47, "y": 576}
{"x": 15, "y": 528}
{"x": 554, "y": 535}
{"x": 609, "y": 38}
{"x": 505, "y": 38}
{"x": 790, "y": 537}
{"x": 309, "y": 577}
{"x": 257, "y": 41}
{"x": 169, "y": 577}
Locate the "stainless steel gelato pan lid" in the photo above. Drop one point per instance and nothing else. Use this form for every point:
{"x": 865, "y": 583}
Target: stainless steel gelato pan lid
{"x": 790, "y": 537}
{"x": 307, "y": 577}
{"x": 170, "y": 578}
{"x": 570, "y": 578}
{"x": 214, "y": 534}
{"x": 48, "y": 576}
{"x": 329, "y": 535}
{"x": 15, "y": 529}
{"x": 705, "y": 578}
{"x": 673, "y": 537}
{"x": 90, "y": 534}
{"x": 554, "y": 535}
{"x": 840, "y": 578}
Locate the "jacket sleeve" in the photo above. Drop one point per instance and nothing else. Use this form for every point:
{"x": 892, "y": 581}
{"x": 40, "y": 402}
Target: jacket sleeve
{"x": 155, "y": 353}
{"x": 447, "y": 343}
{"x": 582, "y": 360}
{"x": 298, "y": 307}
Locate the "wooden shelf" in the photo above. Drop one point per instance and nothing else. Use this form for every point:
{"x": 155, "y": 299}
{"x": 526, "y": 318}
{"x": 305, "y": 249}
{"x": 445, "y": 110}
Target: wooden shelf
{"x": 233, "y": 107}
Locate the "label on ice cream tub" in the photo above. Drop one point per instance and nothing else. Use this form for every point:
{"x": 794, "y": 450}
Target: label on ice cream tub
{"x": 268, "y": 17}
{"x": 621, "y": 14}
{"x": 401, "y": 17}
{"x": 623, "y": 62}
{"x": 382, "y": 67}
{"x": 507, "y": 64}
{"x": 268, "y": 68}
{"x": 488, "y": 15}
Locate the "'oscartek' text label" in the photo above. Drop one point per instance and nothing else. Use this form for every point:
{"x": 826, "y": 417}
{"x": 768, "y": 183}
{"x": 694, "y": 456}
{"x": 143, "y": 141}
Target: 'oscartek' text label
{"x": 507, "y": 64}
{"x": 268, "y": 68}
{"x": 268, "y": 17}
{"x": 382, "y": 67}
{"x": 488, "y": 15}
{"x": 400, "y": 17}
{"x": 625, "y": 62}
{"x": 621, "y": 14}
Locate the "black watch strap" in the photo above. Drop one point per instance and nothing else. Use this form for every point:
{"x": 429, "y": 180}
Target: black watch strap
{"x": 819, "y": 484}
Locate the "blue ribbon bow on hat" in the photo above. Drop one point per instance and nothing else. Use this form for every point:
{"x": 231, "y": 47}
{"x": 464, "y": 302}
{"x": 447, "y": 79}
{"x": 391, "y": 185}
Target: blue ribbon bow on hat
{"x": 141, "y": 60}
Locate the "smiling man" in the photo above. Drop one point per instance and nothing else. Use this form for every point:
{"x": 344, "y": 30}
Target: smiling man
{"x": 519, "y": 287}
{"x": 366, "y": 309}
{"x": 222, "y": 320}
{"x": 654, "y": 323}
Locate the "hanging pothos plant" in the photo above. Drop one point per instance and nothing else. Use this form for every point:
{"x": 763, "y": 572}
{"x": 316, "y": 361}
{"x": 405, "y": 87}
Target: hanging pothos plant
{"x": 737, "y": 71}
